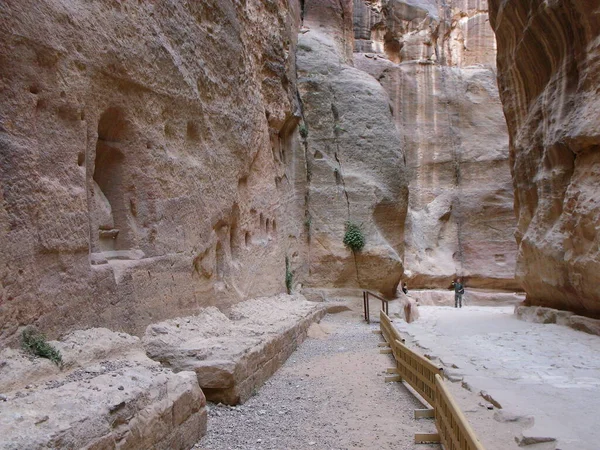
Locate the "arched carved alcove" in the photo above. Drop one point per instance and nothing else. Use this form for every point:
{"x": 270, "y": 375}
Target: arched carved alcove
{"x": 110, "y": 211}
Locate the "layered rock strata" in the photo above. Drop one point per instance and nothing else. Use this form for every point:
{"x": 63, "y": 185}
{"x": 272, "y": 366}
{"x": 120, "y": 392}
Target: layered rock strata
{"x": 548, "y": 73}
{"x": 108, "y": 395}
{"x": 354, "y": 158}
{"x": 233, "y": 355}
{"x": 147, "y": 159}
{"x": 436, "y": 61}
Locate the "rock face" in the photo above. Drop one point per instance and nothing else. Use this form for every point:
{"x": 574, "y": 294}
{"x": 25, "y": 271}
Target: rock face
{"x": 108, "y": 395}
{"x": 548, "y": 76}
{"x": 354, "y": 158}
{"x": 234, "y": 355}
{"x": 147, "y": 159}
{"x": 436, "y": 61}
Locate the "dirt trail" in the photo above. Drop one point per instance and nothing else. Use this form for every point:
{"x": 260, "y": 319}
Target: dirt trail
{"x": 329, "y": 395}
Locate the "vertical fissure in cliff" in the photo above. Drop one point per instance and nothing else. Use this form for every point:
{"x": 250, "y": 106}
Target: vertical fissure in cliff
{"x": 339, "y": 170}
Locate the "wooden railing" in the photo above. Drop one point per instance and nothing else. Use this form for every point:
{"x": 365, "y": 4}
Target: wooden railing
{"x": 453, "y": 427}
{"x": 384, "y": 304}
{"x": 454, "y": 432}
{"x": 388, "y": 330}
{"x": 416, "y": 370}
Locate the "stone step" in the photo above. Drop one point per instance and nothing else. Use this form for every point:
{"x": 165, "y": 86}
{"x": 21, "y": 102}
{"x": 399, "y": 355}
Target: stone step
{"x": 108, "y": 395}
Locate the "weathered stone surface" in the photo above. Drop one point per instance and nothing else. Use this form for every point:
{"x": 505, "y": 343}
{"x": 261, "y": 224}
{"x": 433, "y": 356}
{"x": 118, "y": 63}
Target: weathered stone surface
{"x": 548, "y": 72}
{"x": 234, "y": 355}
{"x": 108, "y": 395}
{"x": 454, "y": 32}
{"x": 540, "y": 314}
{"x": 404, "y": 307}
{"x": 147, "y": 161}
{"x": 354, "y": 159}
{"x": 437, "y": 64}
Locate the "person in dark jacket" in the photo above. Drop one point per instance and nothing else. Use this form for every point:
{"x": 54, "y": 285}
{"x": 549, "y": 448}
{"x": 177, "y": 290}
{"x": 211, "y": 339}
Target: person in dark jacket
{"x": 404, "y": 288}
{"x": 459, "y": 290}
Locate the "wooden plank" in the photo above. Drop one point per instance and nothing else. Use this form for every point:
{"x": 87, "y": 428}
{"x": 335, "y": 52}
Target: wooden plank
{"x": 376, "y": 331}
{"x": 392, "y": 378}
{"x": 385, "y": 351}
{"x": 391, "y": 370}
{"x": 417, "y": 375}
{"x": 424, "y": 413}
{"x": 430, "y": 367}
{"x": 424, "y": 438}
{"x": 445, "y": 428}
{"x": 412, "y": 375}
{"x": 466, "y": 430}
{"x": 383, "y": 344}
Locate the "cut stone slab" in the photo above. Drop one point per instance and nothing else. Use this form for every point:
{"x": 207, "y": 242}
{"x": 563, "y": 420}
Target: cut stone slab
{"x": 108, "y": 395}
{"x": 234, "y": 354}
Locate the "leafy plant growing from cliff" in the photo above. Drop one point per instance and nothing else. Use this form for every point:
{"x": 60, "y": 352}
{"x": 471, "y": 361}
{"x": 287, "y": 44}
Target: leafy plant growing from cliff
{"x": 289, "y": 277}
{"x": 34, "y": 342}
{"x": 354, "y": 237}
{"x": 308, "y": 222}
{"x": 303, "y": 130}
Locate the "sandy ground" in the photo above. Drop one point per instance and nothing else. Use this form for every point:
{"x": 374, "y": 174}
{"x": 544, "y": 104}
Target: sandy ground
{"x": 546, "y": 378}
{"x": 329, "y": 395}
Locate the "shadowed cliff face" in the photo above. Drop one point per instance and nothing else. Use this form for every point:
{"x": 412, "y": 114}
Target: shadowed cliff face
{"x": 354, "y": 158}
{"x": 148, "y": 160}
{"x": 437, "y": 62}
{"x": 548, "y": 73}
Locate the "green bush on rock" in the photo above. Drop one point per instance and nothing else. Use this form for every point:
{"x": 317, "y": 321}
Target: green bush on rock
{"x": 34, "y": 342}
{"x": 354, "y": 237}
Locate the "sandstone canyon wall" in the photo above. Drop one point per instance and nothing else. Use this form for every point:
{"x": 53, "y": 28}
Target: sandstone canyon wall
{"x": 148, "y": 159}
{"x": 436, "y": 59}
{"x": 354, "y": 155}
{"x": 548, "y": 72}
{"x": 158, "y": 158}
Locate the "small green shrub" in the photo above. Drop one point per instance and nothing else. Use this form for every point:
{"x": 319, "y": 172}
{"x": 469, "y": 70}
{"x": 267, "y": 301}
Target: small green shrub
{"x": 354, "y": 237}
{"x": 303, "y": 130}
{"x": 308, "y": 222}
{"x": 34, "y": 342}
{"x": 289, "y": 277}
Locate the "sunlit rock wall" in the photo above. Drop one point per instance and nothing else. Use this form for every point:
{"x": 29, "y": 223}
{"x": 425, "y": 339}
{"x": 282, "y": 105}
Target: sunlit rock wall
{"x": 548, "y": 72}
{"x": 355, "y": 160}
{"x": 437, "y": 62}
{"x": 148, "y": 159}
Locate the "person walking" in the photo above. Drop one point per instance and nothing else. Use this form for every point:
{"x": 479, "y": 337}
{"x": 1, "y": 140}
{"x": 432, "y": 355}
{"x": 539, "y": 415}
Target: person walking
{"x": 459, "y": 290}
{"x": 404, "y": 288}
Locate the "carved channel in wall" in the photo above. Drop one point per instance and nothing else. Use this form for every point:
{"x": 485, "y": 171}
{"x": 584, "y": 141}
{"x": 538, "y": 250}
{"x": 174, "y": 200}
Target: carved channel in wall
{"x": 112, "y": 208}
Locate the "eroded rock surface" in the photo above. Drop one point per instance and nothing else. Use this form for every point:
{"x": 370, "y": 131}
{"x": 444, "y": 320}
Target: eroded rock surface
{"x": 108, "y": 395}
{"x": 147, "y": 159}
{"x": 548, "y": 73}
{"x": 436, "y": 61}
{"x": 354, "y": 158}
{"x": 234, "y": 354}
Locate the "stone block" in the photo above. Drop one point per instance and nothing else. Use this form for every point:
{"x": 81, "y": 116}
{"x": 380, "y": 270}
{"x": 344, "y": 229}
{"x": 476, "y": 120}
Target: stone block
{"x": 109, "y": 394}
{"x": 248, "y": 346}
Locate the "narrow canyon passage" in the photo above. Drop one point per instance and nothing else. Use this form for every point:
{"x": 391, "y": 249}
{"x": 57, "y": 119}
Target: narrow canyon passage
{"x": 330, "y": 394}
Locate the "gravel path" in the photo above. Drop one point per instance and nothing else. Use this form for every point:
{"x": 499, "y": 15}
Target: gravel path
{"x": 330, "y": 394}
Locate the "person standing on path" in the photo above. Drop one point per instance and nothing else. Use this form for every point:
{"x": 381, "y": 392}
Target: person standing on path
{"x": 404, "y": 288}
{"x": 459, "y": 290}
